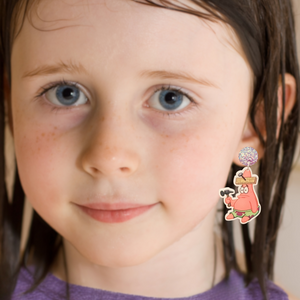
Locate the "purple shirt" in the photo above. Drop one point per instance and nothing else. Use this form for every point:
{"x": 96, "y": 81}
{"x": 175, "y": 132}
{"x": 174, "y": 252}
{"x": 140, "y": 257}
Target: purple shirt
{"x": 54, "y": 288}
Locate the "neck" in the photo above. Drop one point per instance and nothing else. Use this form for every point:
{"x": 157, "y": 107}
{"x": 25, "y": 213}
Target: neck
{"x": 183, "y": 269}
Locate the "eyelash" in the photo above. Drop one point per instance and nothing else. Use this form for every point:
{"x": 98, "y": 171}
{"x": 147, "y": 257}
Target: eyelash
{"x": 52, "y": 85}
{"x": 161, "y": 88}
{"x": 178, "y": 90}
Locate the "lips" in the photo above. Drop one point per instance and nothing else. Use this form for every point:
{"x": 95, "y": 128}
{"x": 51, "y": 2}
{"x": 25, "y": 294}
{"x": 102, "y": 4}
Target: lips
{"x": 114, "y": 212}
{"x": 111, "y": 206}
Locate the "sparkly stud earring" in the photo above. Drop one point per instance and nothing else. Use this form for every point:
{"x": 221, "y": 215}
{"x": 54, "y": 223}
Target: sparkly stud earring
{"x": 244, "y": 204}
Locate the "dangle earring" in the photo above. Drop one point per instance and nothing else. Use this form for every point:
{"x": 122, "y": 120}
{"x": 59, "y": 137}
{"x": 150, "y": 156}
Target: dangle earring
{"x": 244, "y": 204}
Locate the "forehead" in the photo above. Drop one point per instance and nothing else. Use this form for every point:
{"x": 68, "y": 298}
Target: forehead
{"x": 119, "y": 30}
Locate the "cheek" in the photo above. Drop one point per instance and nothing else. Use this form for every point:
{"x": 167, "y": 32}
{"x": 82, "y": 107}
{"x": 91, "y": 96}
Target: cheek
{"x": 40, "y": 162}
{"x": 192, "y": 167}
{"x": 44, "y": 149}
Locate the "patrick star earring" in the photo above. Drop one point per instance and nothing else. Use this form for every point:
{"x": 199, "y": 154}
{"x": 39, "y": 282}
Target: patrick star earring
{"x": 244, "y": 204}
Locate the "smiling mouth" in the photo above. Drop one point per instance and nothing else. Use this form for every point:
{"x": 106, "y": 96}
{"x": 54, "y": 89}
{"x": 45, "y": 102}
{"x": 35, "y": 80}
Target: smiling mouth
{"x": 114, "y": 215}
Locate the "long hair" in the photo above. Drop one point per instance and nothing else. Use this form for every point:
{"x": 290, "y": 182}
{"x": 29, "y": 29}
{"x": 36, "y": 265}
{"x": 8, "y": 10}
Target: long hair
{"x": 266, "y": 31}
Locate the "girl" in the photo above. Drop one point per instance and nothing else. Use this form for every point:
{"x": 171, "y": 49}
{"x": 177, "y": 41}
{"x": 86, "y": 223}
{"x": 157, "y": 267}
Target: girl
{"x": 127, "y": 118}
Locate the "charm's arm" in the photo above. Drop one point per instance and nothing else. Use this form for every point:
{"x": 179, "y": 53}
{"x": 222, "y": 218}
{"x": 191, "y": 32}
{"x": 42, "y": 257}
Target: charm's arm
{"x": 230, "y": 201}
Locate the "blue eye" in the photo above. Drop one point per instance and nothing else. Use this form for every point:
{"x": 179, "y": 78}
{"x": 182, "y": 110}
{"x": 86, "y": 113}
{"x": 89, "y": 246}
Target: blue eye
{"x": 66, "y": 95}
{"x": 169, "y": 99}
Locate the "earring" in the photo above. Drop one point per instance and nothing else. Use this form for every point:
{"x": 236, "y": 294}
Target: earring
{"x": 244, "y": 204}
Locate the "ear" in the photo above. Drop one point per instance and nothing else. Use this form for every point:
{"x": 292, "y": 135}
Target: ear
{"x": 7, "y": 100}
{"x": 249, "y": 137}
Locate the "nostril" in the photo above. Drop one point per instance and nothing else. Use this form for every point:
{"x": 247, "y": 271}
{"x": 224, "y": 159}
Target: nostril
{"x": 125, "y": 169}
{"x": 94, "y": 170}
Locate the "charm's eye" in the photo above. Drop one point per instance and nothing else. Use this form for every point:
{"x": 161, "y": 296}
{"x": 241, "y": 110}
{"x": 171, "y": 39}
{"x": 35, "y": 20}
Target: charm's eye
{"x": 246, "y": 189}
{"x": 240, "y": 174}
{"x": 241, "y": 190}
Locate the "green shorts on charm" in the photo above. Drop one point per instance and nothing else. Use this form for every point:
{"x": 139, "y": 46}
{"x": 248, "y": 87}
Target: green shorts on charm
{"x": 245, "y": 213}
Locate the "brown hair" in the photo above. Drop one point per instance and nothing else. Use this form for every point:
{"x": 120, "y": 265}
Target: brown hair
{"x": 266, "y": 31}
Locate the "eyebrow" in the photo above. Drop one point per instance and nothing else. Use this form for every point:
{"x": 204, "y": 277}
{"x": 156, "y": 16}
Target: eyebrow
{"x": 179, "y": 75}
{"x": 60, "y": 67}
{"x": 72, "y": 68}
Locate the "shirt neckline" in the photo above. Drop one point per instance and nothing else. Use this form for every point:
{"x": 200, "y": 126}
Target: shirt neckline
{"x": 220, "y": 286}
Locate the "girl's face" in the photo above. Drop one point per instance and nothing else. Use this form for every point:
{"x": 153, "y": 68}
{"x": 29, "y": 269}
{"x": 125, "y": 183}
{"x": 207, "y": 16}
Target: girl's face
{"x": 119, "y": 135}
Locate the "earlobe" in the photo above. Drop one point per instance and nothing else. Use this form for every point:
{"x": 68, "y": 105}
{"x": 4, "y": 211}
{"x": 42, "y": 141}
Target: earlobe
{"x": 249, "y": 137}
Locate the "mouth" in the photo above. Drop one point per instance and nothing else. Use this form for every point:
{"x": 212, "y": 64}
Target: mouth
{"x": 114, "y": 213}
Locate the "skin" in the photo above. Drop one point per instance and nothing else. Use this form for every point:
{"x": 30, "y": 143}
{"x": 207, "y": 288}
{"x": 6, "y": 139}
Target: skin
{"x": 120, "y": 143}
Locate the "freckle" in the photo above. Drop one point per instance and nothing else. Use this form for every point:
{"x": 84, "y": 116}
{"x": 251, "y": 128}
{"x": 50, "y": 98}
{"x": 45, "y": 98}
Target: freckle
{"x": 53, "y": 134}
{"x": 103, "y": 118}
{"x": 43, "y": 134}
{"x": 55, "y": 127}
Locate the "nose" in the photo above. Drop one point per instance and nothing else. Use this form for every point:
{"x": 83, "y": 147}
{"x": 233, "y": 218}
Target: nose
{"x": 110, "y": 149}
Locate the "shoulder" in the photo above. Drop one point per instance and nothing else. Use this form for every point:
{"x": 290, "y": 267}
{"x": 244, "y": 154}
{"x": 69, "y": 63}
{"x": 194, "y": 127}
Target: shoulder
{"x": 274, "y": 291}
{"x": 291, "y": 296}
{"x": 48, "y": 289}
{"x": 253, "y": 290}
{"x": 54, "y": 288}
